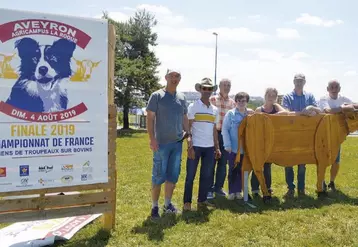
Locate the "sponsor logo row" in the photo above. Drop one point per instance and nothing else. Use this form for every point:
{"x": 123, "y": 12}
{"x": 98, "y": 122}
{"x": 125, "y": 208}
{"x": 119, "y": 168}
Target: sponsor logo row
{"x": 24, "y": 170}
{"x": 24, "y": 173}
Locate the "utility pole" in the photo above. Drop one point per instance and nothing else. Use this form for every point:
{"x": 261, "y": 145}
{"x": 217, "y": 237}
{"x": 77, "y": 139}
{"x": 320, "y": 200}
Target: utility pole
{"x": 216, "y": 56}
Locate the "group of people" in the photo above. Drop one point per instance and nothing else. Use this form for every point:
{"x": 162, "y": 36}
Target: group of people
{"x": 210, "y": 127}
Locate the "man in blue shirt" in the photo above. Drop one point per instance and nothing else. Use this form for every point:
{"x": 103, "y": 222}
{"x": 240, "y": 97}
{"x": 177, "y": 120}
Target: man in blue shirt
{"x": 298, "y": 101}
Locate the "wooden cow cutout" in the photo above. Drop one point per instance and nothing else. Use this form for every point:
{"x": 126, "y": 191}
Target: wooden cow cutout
{"x": 292, "y": 140}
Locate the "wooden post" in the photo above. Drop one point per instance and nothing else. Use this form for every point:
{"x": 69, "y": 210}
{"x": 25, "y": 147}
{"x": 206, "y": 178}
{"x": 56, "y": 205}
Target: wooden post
{"x": 109, "y": 219}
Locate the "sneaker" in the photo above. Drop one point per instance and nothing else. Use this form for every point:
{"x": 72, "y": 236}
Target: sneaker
{"x": 238, "y": 196}
{"x": 231, "y": 196}
{"x": 170, "y": 209}
{"x": 155, "y": 213}
{"x": 270, "y": 191}
{"x": 205, "y": 204}
{"x": 324, "y": 186}
{"x": 332, "y": 186}
{"x": 301, "y": 192}
{"x": 290, "y": 194}
{"x": 210, "y": 195}
{"x": 255, "y": 194}
{"x": 187, "y": 206}
{"x": 220, "y": 193}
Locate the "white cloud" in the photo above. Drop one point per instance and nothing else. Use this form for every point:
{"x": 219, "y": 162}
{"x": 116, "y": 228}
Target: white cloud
{"x": 117, "y": 16}
{"x": 172, "y": 27}
{"x": 198, "y": 36}
{"x": 158, "y": 9}
{"x": 300, "y": 55}
{"x": 267, "y": 55}
{"x": 232, "y": 17}
{"x": 129, "y": 8}
{"x": 162, "y": 14}
{"x": 183, "y": 35}
{"x": 255, "y": 17}
{"x": 240, "y": 34}
{"x": 350, "y": 73}
{"x": 287, "y": 33}
{"x": 317, "y": 21}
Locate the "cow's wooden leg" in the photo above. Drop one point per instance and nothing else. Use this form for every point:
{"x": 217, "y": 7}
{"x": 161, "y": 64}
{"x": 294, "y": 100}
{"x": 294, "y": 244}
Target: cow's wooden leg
{"x": 326, "y": 140}
{"x": 261, "y": 178}
{"x": 246, "y": 168}
{"x": 321, "y": 171}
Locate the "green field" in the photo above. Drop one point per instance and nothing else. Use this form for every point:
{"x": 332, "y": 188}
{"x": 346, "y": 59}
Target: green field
{"x": 307, "y": 221}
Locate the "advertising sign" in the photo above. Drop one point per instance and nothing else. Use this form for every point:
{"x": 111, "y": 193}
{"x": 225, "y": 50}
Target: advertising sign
{"x": 53, "y": 101}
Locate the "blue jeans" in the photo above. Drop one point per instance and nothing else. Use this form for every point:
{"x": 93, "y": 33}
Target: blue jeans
{"x": 338, "y": 159}
{"x": 255, "y": 185}
{"x": 166, "y": 163}
{"x": 234, "y": 177}
{"x": 220, "y": 174}
{"x": 301, "y": 176}
{"x": 206, "y": 155}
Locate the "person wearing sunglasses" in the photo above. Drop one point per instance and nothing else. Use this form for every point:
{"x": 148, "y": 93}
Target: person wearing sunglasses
{"x": 204, "y": 145}
{"x": 231, "y": 124}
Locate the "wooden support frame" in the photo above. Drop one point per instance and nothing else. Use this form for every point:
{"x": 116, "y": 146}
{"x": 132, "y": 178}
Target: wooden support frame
{"x": 43, "y": 204}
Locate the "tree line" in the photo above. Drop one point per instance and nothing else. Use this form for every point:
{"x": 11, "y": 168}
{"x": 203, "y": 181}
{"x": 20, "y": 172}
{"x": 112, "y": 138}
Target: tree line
{"x": 135, "y": 72}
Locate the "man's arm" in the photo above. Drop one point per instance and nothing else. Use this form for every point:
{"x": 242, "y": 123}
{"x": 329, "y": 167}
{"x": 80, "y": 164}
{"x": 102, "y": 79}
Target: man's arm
{"x": 190, "y": 116}
{"x": 332, "y": 110}
{"x": 216, "y": 138}
{"x": 186, "y": 124}
{"x": 225, "y": 132}
{"x": 324, "y": 106}
{"x": 150, "y": 130}
{"x": 286, "y": 103}
{"x": 191, "y": 151}
{"x": 152, "y": 107}
{"x": 216, "y": 143}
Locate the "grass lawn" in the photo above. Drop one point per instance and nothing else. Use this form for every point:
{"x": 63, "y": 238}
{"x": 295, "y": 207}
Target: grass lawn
{"x": 304, "y": 221}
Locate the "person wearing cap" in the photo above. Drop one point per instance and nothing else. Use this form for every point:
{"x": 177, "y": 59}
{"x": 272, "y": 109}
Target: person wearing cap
{"x": 202, "y": 117}
{"x": 166, "y": 120}
{"x": 223, "y": 103}
{"x": 303, "y": 103}
{"x": 334, "y": 102}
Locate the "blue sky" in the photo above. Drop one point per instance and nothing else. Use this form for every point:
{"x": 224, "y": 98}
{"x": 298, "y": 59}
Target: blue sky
{"x": 260, "y": 43}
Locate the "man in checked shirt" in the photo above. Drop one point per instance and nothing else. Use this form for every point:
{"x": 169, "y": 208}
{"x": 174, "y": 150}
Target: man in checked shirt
{"x": 223, "y": 104}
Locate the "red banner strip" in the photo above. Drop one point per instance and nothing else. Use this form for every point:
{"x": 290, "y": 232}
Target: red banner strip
{"x": 41, "y": 116}
{"x": 28, "y": 27}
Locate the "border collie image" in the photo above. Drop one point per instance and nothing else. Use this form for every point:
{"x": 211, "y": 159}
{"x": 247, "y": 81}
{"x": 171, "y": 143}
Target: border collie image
{"x": 44, "y": 72}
